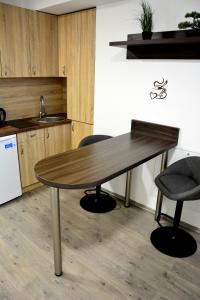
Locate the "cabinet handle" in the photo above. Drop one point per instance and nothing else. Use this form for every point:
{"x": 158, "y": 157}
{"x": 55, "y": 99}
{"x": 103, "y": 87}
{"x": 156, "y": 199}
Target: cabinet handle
{"x": 34, "y": 70}
{"x": 29, "y": 70}
{"x": 72, "y": 127}
{"x": 22, "y": 151}
{"x": 32, "y": 135}
{"x": 64, "y": 70}
{"x": 47, "y": 135}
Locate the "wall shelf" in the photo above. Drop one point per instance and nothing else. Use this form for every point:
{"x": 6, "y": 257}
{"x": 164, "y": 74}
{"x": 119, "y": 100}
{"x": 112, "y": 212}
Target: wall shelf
{"x": 181, "y": 44}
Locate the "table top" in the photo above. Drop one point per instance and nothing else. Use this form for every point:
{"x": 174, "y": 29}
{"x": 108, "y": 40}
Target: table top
{"x": 95, "y": 164}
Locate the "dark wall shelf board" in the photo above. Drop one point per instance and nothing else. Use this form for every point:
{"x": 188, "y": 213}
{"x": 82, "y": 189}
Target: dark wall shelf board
{"x": 122, "y": 44}
{"x": 170, "y": 41}
{"x": 183, "y": 44}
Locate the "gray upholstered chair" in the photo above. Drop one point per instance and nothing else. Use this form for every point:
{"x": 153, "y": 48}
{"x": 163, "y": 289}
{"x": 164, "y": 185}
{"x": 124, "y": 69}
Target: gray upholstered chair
{"x": 179, "y": 182}
{"x": 96, "y": 200}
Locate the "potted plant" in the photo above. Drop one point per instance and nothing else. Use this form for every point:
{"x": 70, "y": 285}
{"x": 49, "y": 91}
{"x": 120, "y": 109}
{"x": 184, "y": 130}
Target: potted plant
{"x": 146, "y": 20}
{"x": 194, "y": 24}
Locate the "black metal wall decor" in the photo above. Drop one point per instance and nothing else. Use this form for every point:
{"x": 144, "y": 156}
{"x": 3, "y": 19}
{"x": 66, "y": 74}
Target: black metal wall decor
{"x": 160, "y": 91}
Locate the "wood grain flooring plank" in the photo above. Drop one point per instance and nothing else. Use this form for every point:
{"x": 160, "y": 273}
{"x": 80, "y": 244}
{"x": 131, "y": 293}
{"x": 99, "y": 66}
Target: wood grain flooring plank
{"x": 105, "y": 256}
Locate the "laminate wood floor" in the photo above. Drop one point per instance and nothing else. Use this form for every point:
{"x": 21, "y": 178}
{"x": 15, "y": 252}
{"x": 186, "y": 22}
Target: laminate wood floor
{"x": 105, "y": 256}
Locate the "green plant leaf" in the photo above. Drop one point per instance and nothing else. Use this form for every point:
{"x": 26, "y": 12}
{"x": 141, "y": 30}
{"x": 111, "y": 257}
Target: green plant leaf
{"x": 146, "y": 18}
{"x": 194, "y": 24}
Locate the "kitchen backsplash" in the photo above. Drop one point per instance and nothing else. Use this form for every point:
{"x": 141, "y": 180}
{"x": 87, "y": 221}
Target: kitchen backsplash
{"x": 20, "y": 96}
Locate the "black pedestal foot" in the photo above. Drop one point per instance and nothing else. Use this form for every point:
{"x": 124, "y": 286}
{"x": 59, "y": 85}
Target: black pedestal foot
{"x": 173, "y": 241}
{"x": 104, "y": 203}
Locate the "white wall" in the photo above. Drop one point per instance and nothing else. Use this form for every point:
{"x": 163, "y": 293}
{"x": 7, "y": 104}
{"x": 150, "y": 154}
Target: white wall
{"x": 122, "y": 90}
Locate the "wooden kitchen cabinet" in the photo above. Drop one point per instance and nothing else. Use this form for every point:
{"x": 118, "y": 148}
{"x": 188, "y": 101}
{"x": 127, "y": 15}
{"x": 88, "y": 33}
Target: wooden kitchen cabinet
{"x": 28, "y": 43}
{"x": 69, "y": 49}
{"x": 57, "y": 139}
{"x": 87, "y": 66}
{"x": 38, "y": 144}
{"x": 69, "y": 43}
{"x": 31, "y": 149}
{"x": 14, "y": 41}
{"x": 79, "y": 131}
{"x": 76, "y": 33}
{"x": 43, "y": 30}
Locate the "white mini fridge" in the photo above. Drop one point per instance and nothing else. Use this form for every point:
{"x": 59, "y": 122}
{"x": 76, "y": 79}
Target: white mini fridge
{"x": 10, "y": 184}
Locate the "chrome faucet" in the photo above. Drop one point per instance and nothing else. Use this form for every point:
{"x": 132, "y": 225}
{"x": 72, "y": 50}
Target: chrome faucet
{"x": 42, "y": 108}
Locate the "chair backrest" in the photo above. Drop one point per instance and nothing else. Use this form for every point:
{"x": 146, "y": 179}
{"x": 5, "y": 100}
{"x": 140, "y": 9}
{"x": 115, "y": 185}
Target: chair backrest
{"x": 188, "y": 166}
{"x": 193, "y": 163}
{"x": 91, "y": 139}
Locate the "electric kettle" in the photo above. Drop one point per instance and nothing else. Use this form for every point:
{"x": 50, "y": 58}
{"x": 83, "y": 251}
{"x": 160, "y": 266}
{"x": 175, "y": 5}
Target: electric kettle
{"x": 2, "y": 117}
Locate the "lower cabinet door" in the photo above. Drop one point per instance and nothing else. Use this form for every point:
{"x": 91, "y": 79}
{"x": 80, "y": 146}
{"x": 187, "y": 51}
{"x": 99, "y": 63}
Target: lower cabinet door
{"x": 57, "y": 139}
{"x": 39, "y": 144}
{"x": 79, "y": 131}
{"x": 29, "y": 154}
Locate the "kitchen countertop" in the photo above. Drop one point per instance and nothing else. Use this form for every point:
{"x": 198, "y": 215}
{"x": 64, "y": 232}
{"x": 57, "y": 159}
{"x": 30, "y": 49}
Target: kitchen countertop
{"x": 8, "y": 129}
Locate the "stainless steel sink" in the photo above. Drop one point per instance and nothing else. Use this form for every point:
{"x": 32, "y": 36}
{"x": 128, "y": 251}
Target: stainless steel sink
{"x": 49, "y": 119}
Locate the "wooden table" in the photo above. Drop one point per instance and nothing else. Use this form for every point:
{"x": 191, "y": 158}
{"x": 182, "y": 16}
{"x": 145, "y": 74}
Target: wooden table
{"x": 95, "y": 164}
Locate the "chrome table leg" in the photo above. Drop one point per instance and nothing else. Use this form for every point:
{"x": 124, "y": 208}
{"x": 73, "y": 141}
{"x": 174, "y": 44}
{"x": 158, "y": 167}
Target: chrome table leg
{"x": 128, "y": 188}
{"x": 160, "y": 196}
{"x": 55, "y": 207}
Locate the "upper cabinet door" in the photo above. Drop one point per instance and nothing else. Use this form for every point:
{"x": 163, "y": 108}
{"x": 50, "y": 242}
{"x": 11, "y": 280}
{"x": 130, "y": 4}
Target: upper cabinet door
{"x": 87, "y": 64}
{"x": 43, "y": 30}
{"x": 28, "y": 43}
{"x": 72, "y": 68}
{"x": 14, "y": 42}
{"x": 76, "y": 62}
{"x": 63, "y": 41}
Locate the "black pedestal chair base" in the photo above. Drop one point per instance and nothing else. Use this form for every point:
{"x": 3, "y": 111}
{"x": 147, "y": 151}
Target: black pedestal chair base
{"x": 173, "y": 241}
{"x": 101, "y": 204}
